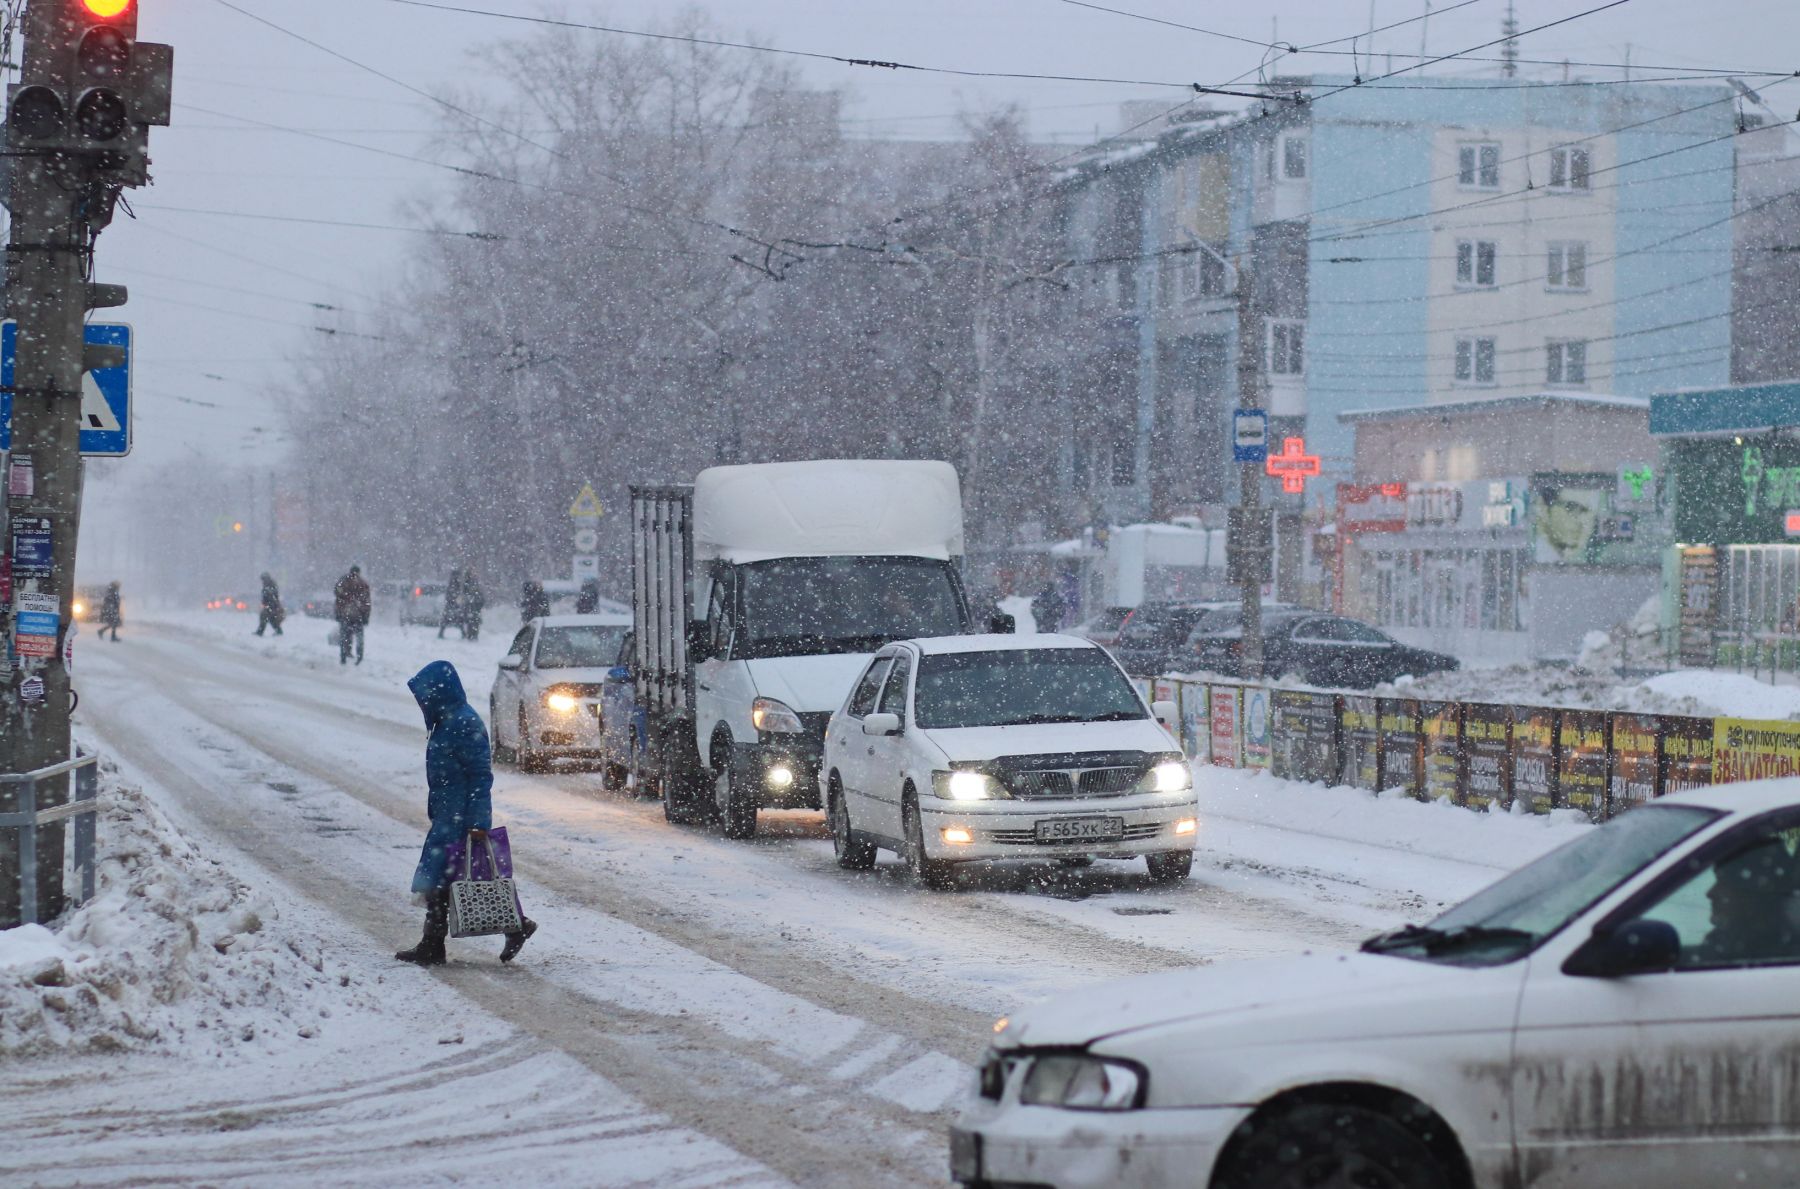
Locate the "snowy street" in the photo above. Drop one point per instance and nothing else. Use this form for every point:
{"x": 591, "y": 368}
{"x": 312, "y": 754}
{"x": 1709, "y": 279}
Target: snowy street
{"x": 692, "y": 1010}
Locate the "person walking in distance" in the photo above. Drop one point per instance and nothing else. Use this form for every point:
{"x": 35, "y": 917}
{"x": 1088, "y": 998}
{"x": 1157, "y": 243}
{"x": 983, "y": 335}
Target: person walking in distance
{"x": 534, "y": 603}
{"x": 270, "y": 613}
{"x": 474, "y": 602}
{"x": 459, "y": 775}
{"x": 588, "y": 600}
{"x": 351, "y": 608}
{"x": 110, "y": 615}
{"x": 453, "y": 604}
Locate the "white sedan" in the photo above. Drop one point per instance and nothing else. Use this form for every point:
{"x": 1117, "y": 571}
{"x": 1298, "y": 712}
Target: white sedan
{"x": 546, "y": 703}
{"x": 1623, "y": 1013}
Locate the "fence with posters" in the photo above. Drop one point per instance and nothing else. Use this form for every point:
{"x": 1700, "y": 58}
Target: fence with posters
{"x": 1477, "y": 754}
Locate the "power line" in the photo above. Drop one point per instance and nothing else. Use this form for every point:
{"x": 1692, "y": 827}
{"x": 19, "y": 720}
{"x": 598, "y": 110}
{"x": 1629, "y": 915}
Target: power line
{"x": 1138, "y": 16}
{"x": 441, "y": 231}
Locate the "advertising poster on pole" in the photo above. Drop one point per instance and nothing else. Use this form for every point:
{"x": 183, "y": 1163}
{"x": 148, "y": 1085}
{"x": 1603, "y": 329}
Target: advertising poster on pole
{"x": 1194, "y": 724}
{"x": 1534, "y": 757}
{"x": 1223, "y": 701}
{"x": 1744, "y": 749}
{"x": 1634, "y": 763}
{"x": 1687, "y": 753}
{"x": 1362, "y": 742}
{"x": 1257, "y": 752}
{"x": 1441, "y": 725}
{"x": 1581, "y": 761}
{"x": 1487, "y": 755}
{"x": 1305, "y": 736}
{"x": 1399, "y": 744}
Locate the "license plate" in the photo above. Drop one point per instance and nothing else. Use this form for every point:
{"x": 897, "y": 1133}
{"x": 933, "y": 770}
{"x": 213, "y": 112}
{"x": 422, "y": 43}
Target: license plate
{"x": 965, "y": 1155}
{"x": 1081, "y": 829}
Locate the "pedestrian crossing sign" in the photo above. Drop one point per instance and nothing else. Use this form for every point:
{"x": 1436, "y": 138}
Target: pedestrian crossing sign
{"x": 586, "y": 505}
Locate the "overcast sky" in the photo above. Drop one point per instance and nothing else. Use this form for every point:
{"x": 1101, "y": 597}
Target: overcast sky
{"x": 221, "y": 302}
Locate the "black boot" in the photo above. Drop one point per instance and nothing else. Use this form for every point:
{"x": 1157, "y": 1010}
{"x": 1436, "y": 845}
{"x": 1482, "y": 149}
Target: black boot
{"x": 516, "y": 941}
{"x": 430, "y": 950}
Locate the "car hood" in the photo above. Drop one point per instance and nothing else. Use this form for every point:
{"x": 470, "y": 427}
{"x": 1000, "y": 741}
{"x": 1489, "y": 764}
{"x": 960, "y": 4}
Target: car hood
{"x": 1331, "y": 988}
{"x": 974, "y": 744}
{"x": 572, "y": 676}
{"x": 808, "y": 683}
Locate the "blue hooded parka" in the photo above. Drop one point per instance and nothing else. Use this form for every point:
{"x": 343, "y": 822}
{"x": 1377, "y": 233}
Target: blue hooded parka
{"x": 459, "y": 769}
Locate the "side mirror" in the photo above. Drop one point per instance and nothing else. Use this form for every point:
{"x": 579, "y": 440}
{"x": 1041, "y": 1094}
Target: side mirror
{"x": 512, "y": 662}
{"x": 619, "y": 673}
{"x": 699, "y": 641}
{"x": 1002, "y": 624}
{"x": 881, "y": 724}
{"x": 1166, "y": 713}
{"x": 1636, "y": 947}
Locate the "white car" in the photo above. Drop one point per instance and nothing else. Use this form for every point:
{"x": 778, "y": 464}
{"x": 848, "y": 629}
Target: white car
{"x": 546, "y": 703}
{"x": 1623, "y": 1013}
{"x": 1004, "y": 747}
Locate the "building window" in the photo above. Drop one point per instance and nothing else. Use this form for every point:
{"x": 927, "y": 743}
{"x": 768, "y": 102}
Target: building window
{"x": 1475, "y": 361}
{"x": 1287, "y": 348}
{"x": 1566, "y": 362}
{"x": 1475, "y": 262}
{"x": 1478, "y": 166}
{"x": 1568, "y": 168}
{"x": 1293, "y": 158}
{"x": 1567, "y": 266}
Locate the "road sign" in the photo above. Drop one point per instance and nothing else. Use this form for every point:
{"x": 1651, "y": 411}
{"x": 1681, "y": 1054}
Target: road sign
{"x": 105, "y": 393}
{"x": 586, "y": 505}
{"x": 1293, "y": 466}
{"x": 587, "y": 540}
{"x": 1249, "y": 435}
{"x": 586, "y": 566}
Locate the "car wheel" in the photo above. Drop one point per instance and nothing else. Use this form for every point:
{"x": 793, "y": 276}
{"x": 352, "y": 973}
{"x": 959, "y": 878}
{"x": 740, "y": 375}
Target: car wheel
{"x": 684, "y": 785}
{"x": 1170, "y": 866}
{"x": 523, "y": 755}
{"x": 502, "y": 753}
{"x": 612, "y": 777}
{"x": 734, "y": 800}
{"x": 853, "y": 854}
{"x": 1320, "y": 1144}
{"x": 932, "y": 873}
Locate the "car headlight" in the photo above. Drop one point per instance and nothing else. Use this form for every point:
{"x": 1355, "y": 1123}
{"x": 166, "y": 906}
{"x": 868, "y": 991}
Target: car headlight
{"x": 775, "y": 718}
{"x": 1170, "y": 774}
{"x": 1081, "y": 1082}
{"x": 561, "y": 702}
{"x": 966, "y": 786}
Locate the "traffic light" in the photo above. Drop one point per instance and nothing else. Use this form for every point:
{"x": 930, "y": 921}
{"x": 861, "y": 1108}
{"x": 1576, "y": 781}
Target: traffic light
{"x": 90, "y": 90}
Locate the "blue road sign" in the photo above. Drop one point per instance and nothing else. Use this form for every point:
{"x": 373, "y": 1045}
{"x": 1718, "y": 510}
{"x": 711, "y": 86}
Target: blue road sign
{"x": 1249, "y": 435}
{"x": 105, "y": 394}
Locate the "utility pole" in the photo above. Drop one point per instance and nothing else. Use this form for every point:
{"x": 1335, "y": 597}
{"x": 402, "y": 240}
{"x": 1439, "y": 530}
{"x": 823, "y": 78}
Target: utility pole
{"x": 76, "y": 136}
{"x": 1249, "y": 538}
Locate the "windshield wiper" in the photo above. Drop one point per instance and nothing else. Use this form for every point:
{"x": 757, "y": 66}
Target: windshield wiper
{"x": 1436, "y": 941}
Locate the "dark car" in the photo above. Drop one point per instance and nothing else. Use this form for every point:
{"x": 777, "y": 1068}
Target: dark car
{"x": 1319, "y": 649}
{"x": 1153, "y": 640}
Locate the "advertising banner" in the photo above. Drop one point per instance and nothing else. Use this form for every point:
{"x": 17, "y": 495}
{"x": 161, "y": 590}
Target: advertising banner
{"x": 1534, "y": 757}
{"x": 1441, "y": 726}
{"x": 1306, "y": 736}
{"x": 1582, "y": 761}
{"x": 1361, "y": 742}
{"x": 1257, "y": 750}
{"x": 1687, "y": 753}
{"x": 1222, "y": 701}
{"x": 1193, "y": 719}
{"x": 1744, "y": 749}
{"x": 1635, "y": 761}
{"x": 1399, "y": 719}
{"x": 1487, "y": 756}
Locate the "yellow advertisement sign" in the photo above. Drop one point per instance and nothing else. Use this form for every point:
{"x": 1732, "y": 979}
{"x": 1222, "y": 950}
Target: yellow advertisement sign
{"x": 1748, "y": 749}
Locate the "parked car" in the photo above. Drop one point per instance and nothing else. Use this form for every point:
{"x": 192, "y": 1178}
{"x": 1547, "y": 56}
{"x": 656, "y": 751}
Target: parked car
{"x": 230, "y": 603}
{"x": 422, "y": 603}
{"x": 1319, "y": 649}
{"x": 1620, "y": 1014}
{"x": 86, "y": 604}
{"x": 1153, "y": 639}
{"x": 1102, "y": 628}
{"x": 320, "y": 604}
{"x": 547, "y": 698}
{"x": 1004, "y": 747}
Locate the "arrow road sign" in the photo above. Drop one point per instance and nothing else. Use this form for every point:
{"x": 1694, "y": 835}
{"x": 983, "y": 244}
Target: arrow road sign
{"x": 105, "y": 393}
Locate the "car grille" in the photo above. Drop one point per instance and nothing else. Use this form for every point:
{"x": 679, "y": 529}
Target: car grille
{"x": 1094, "y": 774}
{"x": 1133, "y": 833}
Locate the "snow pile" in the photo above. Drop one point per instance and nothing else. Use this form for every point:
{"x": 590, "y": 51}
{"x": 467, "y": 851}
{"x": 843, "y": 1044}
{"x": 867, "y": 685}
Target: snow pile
{"x": 1699, "y": 692}
{"x": 1734, "y": 695}
{"x": 173, "y": 954}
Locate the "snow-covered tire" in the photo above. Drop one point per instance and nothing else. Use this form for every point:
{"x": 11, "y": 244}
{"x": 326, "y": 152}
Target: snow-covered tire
{"x": 935, "y": 874}
{"x": 734, "y": 797}
{"x": 1170, "y": 866}
{"x": 1333, "y": 1144}
{"x": 853, "y": 854}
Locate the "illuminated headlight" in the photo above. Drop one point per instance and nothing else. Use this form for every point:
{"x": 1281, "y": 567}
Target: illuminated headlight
{"x": 1080, "y": 1082}
{"x": 966, "y": 786}
{"x": 1167, "y": 776}
{"x": 774, "y": 718}
{"x": 779, "y": 777}
{"x": 562, "y": 703}
{"x": 80, "y": 608}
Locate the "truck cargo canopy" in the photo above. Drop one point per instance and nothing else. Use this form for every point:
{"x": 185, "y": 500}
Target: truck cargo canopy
{"x": 833, "y": 508}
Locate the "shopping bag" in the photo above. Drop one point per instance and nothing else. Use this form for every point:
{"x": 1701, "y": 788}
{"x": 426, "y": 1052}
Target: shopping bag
{"x": 481, "y": 907}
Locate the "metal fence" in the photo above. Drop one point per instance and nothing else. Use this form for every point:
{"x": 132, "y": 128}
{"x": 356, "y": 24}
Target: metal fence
{"x": 82, "y": 808}
{"x": 1477, "y": 754}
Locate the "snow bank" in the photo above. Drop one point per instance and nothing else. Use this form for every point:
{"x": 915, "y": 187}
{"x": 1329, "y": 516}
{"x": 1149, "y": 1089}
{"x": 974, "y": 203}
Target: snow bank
{"x": 1701, "y": 692}
{"x": 1734, "y": 695}
{"x": 173, "y": 954}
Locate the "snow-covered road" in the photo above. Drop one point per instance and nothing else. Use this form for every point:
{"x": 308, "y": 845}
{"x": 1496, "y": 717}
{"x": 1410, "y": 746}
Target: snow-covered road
{"x": 693, "y": 1011}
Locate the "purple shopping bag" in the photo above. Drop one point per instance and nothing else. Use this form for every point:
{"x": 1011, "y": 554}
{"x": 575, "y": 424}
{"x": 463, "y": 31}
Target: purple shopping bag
{"x": 478, "y": 862}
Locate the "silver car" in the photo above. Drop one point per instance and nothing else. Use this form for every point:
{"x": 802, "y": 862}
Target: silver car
{"x": 546, "y": 703}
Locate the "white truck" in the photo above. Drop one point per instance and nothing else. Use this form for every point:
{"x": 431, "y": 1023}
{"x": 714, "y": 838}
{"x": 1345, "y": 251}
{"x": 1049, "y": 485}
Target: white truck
{"x": 758, "y": 596}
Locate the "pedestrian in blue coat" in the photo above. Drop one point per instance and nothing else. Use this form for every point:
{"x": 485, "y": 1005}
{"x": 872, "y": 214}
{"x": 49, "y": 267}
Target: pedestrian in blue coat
{"x": 459, "y": 773}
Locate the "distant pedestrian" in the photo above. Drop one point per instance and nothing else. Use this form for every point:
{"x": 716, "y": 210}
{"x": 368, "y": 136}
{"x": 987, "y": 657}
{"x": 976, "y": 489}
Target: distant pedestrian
{"x": 473, "y": 603}
{"x": 588, "y": 601}
{"x": 453, "y": 603}
{"x": 351, "y": 608}
{"x": 1048, "y": 608}
{"x": 533, "y": 602}
{"x": 270, "y": 613}
{"x": 459, "y": 775}
{"x": 110, "y": 615}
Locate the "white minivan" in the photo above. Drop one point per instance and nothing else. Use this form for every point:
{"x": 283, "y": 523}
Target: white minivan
{"x": 960, "y": 748}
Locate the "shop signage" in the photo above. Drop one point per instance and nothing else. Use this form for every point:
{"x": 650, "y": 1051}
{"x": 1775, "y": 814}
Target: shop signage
{"x": 1223, "y": 702}
{"x": 1487, "y": 752}
{"x": 1399, "y": 744}
{"x": 1534, "y": 758}
{"x": 1581, "y": 770}
{"x": 1305, "y": 736}
{"x": 1362, "y": 742}
{"x": 1441, "y": 726}
{"x": 1687, "y": 753}
{"x": 1636, "y": 484}
{"x": 1790, "y": 522}
{"x": 1744, "y": 749}
{"x": 1634, "y": 763}
{"x": 1434, "y": 507}
{"x": 1293, "y": 466}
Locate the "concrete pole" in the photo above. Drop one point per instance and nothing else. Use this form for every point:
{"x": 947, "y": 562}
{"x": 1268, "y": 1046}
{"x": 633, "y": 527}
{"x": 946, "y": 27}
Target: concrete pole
{"x": 1251, "y": 551}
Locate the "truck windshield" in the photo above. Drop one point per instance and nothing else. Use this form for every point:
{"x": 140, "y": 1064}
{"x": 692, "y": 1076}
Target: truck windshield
{"x": 1022, "y": 686}
{"x": 796, "y": 606}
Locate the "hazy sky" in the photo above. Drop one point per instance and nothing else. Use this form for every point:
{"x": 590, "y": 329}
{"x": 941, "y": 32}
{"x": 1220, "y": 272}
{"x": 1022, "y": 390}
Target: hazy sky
{"x": 221, "y": 302}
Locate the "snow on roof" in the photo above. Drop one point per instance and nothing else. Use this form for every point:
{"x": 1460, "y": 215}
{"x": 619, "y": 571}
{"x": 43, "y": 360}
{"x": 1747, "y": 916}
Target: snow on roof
{"x": 938, "y": 645}
{"x": 1489, "y": 403}
{"x": 828, "y": 508}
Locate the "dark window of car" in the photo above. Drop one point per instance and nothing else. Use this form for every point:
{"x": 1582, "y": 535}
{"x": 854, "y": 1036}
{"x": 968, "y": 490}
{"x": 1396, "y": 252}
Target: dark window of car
{"x": 521, "y": 645}
{"x": 1014, "y": 687}
{"x": 1309, "y": 630}
{"x": 1741, "y": 908}
{"x": 578, "y": 646}
{"x": 862, "y": 700}
{"x": 893, "y": 692}
{"x": 1360, "y": 633}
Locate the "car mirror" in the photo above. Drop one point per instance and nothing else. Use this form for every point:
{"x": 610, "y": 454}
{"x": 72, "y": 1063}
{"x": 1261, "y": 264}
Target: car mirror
{"x": 1635, "y": 947}
{"x": 512, "y": 661}
{"x": 1002, "y": 624}
{"x": 881, "y": 724}
{"x": 1166, "y": 713}
{"x": 619, "y": 673}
